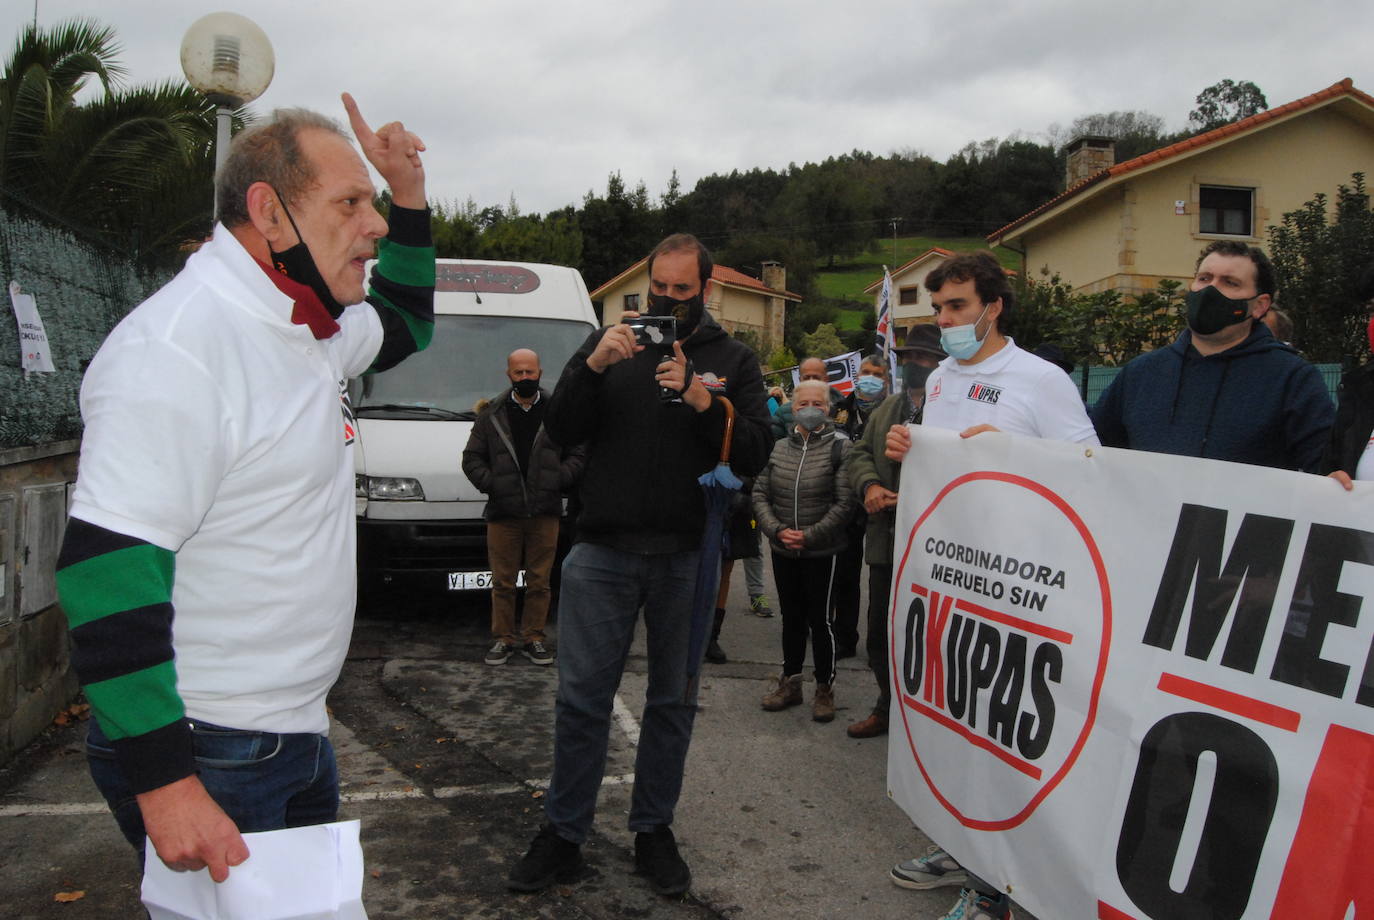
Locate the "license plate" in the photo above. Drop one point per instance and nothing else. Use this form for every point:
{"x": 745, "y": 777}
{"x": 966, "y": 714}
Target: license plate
{"x": 478, "y": 581}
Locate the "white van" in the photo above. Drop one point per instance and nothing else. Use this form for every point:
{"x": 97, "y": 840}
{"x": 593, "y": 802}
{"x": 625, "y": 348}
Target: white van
{"x": 419, "y": 518}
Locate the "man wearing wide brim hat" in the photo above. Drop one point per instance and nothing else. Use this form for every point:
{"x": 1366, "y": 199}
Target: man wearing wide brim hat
{"x": 875, "y": 479}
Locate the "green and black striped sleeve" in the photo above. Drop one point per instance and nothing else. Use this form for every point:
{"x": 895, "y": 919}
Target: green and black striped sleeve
{"x": 402, "y": 288}
{"x": 116, "y": 591}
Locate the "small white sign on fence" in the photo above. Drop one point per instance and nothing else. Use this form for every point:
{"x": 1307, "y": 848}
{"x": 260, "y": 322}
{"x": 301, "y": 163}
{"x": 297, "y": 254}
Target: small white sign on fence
{"x": 33, "y": 340}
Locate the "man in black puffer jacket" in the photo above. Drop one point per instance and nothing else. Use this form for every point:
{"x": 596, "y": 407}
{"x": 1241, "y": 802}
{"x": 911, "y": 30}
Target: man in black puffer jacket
{"x": 525, "y": 475}
{"x": 639, "y": 537}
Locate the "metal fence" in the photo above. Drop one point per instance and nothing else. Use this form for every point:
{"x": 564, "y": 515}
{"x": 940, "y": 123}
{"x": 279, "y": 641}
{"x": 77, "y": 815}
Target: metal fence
{"x": 1099, "y": 378}
{"x": 82, "y": 288}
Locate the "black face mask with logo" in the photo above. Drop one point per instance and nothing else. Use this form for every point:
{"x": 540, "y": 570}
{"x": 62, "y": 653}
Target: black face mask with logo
{"x": 1211, "y": 311}
{"x": 526, "y": 388}
{"x": 687, "y": 312}
{"x": 296, "y": 263}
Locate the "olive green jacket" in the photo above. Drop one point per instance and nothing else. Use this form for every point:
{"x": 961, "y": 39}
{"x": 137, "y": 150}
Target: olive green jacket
{"x": 868, "y": 464}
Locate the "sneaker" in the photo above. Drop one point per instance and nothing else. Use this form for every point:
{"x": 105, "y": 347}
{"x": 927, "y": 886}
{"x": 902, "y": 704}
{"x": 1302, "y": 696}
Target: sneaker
{"x": 537, "y": 652}
{"x": 786, "y": 692}
{"x": 932, "y": 870}
{"x": 498, "y": 653}
{"x": 656, "y": 856}
{"x": 871, "y": 727}
{"x": 823, "y": 703}
{"x": 714, "y": 653}
{"x": 550, "y": 859}
{"x": 759, "y": 604}
{"x": 974, "y": 905}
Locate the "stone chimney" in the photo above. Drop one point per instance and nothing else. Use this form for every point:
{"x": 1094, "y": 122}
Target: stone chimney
{"x": 775, "y": 276}
{"x": 775, "y": 312}
{"x": 1086, "y": 156}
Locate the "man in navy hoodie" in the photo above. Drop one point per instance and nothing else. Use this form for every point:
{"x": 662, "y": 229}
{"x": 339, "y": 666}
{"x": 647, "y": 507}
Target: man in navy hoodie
{"x": 1226, "y": 389}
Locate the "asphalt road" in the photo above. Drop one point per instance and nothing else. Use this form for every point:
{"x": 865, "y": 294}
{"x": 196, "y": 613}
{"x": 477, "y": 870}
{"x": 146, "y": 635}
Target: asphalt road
{"x": 443, "y": 758}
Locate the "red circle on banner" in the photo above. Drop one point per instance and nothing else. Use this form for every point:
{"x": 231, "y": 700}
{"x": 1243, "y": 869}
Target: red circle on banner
{"x": 1047, "y": 785}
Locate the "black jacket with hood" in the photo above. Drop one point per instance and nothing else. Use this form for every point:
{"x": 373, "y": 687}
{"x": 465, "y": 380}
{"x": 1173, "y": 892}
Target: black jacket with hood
{"x": 640, "y": 491}
{"x": 1257, "y": 402}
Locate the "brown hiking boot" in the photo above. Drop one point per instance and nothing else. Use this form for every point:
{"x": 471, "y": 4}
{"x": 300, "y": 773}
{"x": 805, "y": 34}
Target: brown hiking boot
{"x": 871, "y": 727}
{"x": 787, "y": 692}
{"x": 823, "y": 703}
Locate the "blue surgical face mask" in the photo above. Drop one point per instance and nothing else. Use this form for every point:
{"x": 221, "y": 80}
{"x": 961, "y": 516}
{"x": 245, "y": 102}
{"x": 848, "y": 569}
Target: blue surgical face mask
{"x": 962, "y": 342}
{"x": 870, "y": 384}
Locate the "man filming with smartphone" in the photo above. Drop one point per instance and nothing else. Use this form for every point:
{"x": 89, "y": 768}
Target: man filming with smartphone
{"x": 651, "y": 422}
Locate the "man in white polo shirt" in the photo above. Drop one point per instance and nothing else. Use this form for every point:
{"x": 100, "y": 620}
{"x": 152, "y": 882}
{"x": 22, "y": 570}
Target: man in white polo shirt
{"x": 986, "y": 384}
{"x": 216, "y": 490}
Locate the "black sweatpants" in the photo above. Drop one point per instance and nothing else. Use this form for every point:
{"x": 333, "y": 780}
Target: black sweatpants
{"x": 804, "y": 598}
{"x": 844, "y": 592}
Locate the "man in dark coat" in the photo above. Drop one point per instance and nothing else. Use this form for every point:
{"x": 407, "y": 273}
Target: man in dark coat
{"x": 653, "y": 422}
{"x": 525, "y": 475}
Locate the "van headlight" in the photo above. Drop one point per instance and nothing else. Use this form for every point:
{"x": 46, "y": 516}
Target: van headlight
{"x": 389, "y": 488}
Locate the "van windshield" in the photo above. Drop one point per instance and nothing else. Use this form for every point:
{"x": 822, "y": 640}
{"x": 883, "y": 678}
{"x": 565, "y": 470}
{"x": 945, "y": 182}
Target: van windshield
{"x": 464, "y": 363}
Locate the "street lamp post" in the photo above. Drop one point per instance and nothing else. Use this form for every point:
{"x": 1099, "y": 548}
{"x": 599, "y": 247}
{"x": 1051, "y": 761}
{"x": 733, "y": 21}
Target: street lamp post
{"x": 229, "y": 59}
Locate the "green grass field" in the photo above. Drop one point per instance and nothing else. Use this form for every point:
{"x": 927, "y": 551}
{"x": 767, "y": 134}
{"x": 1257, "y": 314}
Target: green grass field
{"x": 846, "y": 281}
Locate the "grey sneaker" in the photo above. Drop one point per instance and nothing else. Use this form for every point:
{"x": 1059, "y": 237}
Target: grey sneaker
{"x": 759, "y": 604}
{"x": 974, "y": 905}
{"x": 932, "y": 870}
{"x": 537, "y": 652}
{"x": 498, "y": 653}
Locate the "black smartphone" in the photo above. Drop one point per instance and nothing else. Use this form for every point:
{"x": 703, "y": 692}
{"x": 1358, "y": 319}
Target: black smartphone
{"x": 654, "y": 331}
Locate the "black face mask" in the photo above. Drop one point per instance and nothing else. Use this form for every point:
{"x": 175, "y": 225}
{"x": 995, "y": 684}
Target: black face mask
{"x": 296, "y": 263}
{"x": 526, "y": 388}
{"x": 688, "y": 312}
{"x": 914, "y": 375}
{"x": 1211, "y": 311}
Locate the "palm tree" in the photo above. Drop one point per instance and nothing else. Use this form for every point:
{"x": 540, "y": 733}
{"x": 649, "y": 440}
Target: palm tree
{"x": 134, "y": 167}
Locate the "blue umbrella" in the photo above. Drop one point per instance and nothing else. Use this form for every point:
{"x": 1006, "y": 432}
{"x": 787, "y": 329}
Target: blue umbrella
{"x": 718, "y": 487}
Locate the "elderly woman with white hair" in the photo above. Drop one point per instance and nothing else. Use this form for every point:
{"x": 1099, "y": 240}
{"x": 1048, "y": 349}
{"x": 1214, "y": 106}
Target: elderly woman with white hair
{"x": 802, "y": 502}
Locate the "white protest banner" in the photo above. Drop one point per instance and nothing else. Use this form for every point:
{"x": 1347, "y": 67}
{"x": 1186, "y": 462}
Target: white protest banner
{"x": 33, "y": 341}
{"x": 840, "y": 371}
{"x": 1129, "y": 685}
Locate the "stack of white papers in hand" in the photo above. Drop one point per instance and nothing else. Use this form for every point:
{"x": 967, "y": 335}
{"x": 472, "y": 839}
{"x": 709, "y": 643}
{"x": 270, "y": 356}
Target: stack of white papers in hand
{"x": 302, "y": 873}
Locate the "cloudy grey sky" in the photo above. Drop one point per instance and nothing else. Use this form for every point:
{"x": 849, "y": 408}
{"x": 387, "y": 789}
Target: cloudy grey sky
{"x": 542, "y": 100}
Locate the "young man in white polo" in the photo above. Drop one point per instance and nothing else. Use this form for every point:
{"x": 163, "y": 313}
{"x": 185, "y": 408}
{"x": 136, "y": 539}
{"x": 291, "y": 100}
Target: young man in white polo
{"x": 986, "y": 384}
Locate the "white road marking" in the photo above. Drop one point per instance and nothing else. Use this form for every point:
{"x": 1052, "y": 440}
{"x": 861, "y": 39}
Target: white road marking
{"x": 626, "y": 720}
{"x": 51, "y": 810}
{"x": 623, "y": 717}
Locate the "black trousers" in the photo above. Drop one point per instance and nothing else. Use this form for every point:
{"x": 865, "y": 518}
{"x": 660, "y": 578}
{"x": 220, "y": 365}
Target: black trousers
{"x": 879, "y": 596}
{"x": 844, "y": 595}
{"x": 803, "y": 596}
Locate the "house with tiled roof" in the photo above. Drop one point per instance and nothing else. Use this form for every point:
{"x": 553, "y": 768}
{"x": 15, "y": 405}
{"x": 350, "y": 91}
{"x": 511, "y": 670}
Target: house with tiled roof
{"x": 738, "y": 302}
{"x": 910, "y": 302}
{"x": 1129, "y": 225}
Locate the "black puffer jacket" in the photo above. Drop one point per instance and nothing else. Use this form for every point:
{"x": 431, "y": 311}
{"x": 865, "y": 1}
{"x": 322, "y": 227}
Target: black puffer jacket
{"x": 489, "y": 462}
{"x": 804, "y": 488}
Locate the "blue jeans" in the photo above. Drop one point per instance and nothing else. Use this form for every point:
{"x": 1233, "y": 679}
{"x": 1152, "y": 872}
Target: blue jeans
{"x": 263, "y": 781}
{"x": 602, "y": 592}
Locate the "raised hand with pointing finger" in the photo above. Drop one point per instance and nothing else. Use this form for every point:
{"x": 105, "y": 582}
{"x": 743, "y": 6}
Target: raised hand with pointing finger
{"x": 395, "y": 153}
